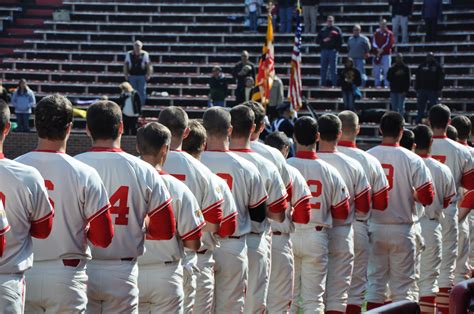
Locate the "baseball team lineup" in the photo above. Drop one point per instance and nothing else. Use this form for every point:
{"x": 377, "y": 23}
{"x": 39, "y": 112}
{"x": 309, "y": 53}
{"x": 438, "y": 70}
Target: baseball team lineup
{"x": 211, "y": 219}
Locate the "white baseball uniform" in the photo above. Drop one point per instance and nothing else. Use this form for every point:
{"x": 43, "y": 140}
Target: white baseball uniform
{"x": 341, "y": 235}
{"x": 392, "y": 231}
{"x": 459, "y": 161}
{"x": 471, "y": 221}
{"x": 198, "y": 178}
{"x": 329, "y": 202}
{"x": 160, "y": 280}
{"x": 4, "y": 228}
{"x": 249, "y": 193}
{"x": 78, "y": 197}
{"x": 379, "y": 188}
{"x": 24, "y": 195}
{"x": 280, "y": 291}
{"x": 136, "y": 191}
{"x": 259, "y": 241}
{"x": 430, "y": 259}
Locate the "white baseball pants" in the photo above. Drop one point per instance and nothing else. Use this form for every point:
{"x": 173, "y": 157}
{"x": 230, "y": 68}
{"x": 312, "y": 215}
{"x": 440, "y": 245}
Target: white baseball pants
{"x": 471, "y": 239}
{"x": 161, "y": 288}
{"x": 113, "y": 286}
{"x": 419, "y": 248}
{"x": 463, "y": 264}
{"x": 280, "y": 291}
{"x": 449, "y": 251}
{"x": 430, "y": 257}
{"x": 361, "y": 259}
{"x": 204, "y": 283}
{"x": 392, "y": 261}
{"x": 12, "y": 292}
{"x": 54, "y": 288}
{"x": 189, "y": 280}
{"x": 231, "y": 271}
{"x": 310, "y": 249}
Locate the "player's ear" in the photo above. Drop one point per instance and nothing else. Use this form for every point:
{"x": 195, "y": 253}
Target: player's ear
{"x": 261, "y": 128}
{"x": 317, "y": 137}
{"x": 357, "y": 129}
{"x": 69, "y": 128}
{"x": 253, "y": 128}
{"x": 6, "y": 130}
{"x": 339, "y": 134}
{"x": 186, "y": 133}
{"x": 120, "y": 129}
{"x": 229, "y": 131}
{"x": 88, "y": 132}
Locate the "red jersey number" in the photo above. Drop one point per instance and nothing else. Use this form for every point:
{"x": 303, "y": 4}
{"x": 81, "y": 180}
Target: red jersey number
{"x": 316, "y": 188}
{"x": 50, "y": 187}
{"x": 119, "y": 201}
{"x": 440, "y": 158}
{"x": 180, "y": 177}
{"x": 389, "y": 172}
{"x": 227, "y": 178}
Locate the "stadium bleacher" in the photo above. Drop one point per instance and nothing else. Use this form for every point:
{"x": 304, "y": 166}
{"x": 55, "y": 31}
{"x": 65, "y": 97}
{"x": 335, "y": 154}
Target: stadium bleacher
{"x": 83, "y": 58}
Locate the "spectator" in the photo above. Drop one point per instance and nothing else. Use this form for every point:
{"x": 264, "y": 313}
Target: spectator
{"x": 452, "y": 133}
{"x": 399, "y": 77}
{"x": 285, "y": 12}
{"x": 358, "y": 47}
{"x": 330, "y": 40}
{"x": 310, "y": 15}
{"x": 382, "y": 44}
{"x": 137, "y": 69}
{"x": 4, "y": 94}
{"x": 349, "y": 80}
{"x": 131, "y": 106}
{"x": 218, "y": 88}
{"x": 431, "y": 12}
{"x": 401, "y": 10}
{"x": 250, "y": 89}
{"x": 285, "y": 122}
{"x": 428, "y": 85}
{"x": 23, "y": 100}
{"x": 252, "y": 7}
{"x": 241, "y": 71}
{"x": 276, "y": 97}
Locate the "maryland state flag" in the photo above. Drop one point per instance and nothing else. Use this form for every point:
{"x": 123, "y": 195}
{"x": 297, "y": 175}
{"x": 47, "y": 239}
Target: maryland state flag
{"x": 266, "y": 68}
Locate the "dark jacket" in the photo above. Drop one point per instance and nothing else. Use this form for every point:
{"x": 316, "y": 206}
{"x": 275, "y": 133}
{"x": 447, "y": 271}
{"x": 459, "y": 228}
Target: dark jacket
{"x": 218, "y": 88}
{"x": 432, "y": 9}
{"x": 5, "y": 96}
{"x": 241, "y": 78}
{"x": 332, "y": 32}
{"x": 352, "y": 74}
{"x": 401, "y": 7}
{"x": 286, "y": 3}
{"x": 137, "y": 104}
{"x": 429, "y": 76}
{"x": 309, "y": 2}
{"x": 399, "y": 78}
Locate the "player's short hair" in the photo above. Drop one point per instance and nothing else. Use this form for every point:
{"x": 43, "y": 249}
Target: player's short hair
{"x": 53, "y": 116}
{"x": 305, "y": 130}
{"x": 278, "y": 140}
{"x": 329, "y": 127}
{"x": 258, "y": 111}
{"x": 463, "y": 126}
{"x": 196, "y": 139}
{"x": 242, "y": 119}
{"x": 4, "y": 115}
{"x": 407, "y": 140}
{"x": 175, "y": 119}
{"x": 391, "y": 124}
{"x": 216, "y": 121}
{"x": 452, "y": 133}
{"x": 349, "y": 121}
{"x": 423, "y": 136}
{"x": 152, "y": 137}
{"x": 103, "y": 120}
{"x": 439, "y": 116}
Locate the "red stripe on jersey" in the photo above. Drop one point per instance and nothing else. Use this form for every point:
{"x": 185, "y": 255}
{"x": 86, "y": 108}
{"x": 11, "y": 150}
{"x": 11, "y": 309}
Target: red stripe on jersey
{"x": 425, "y": 193}
{"x": 213, "y": 213}
{"x": 447, "y": 200}
{"x": 467, "y": 180}
{"x": 42, "y": 227}
{"x": 306, "y": 155}
{"x": 289, "y": 190}
{"x": 347, "y": 144}
{"x": 302, "y": 210}
{"x": 362, "y": 201}
{"x": 242, "y": 150}
{"x": 99, "y": 212}
{"x": 2, "y": 156}
{"x": 48, "y": 151}
{"x": 468, "y": 200}
{"x": 341, "y": 210}
{"x": 106, "y": 149}
{"x": 392, "y": 145}
{"x": 280, "y": 205}
{"x": 194, "y": 234}
{"x": 259, "y": 202}
{"x": 156, "y": 210}
{"x": 5, "y": 230}
{"x": 3, "y": 244}
{"x": 101, "y": 230}
{"x": 162, "y": 224}
{"x": 228, "y": 226}
{"x": 380, "y": 199}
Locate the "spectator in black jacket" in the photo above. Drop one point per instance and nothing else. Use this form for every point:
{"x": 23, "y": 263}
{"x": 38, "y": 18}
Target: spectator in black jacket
{"x": 217, "y": 88}
{"x": 4, "y": 94}
{"x": 130, "y": 103}
{"x": 399, "y": 77}
{"x": 428, "y": 85}
{"x": 310, "y": 15}
{"x": 431, "y": 12}
{"x": 241, "y": 71}
{"x": 330, "y": 40}
{"x": 401, "y": 10}
{"x": 349, "y": 79}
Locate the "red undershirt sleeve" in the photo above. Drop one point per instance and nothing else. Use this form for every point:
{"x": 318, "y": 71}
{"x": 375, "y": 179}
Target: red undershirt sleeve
{"x": 42, "y": 227}
{"x": 228, "y": 226}
{"x": 162, "y": 225}
{"x": 425, "y": 194}
{"x": 101, "y": 230}
{"x": 302, "y": 211}
{"x": 380, "y": 199}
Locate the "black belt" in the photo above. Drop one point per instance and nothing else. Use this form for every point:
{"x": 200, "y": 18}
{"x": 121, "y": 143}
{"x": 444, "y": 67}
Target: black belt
{"x": 360, "y": 220}
{"x": 276, "y": 233}
{"x": 71, "y": 262}
{"x": 201, "y": 252}
{"x": 256, "y": 233}
{"x": 319, "y": 228}
{"x": 128, "y": 259}
{"x": 234, "y": 237}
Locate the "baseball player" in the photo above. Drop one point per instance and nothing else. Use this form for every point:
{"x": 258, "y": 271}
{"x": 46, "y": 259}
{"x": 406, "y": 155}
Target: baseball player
{"x": 81, "y": 213}
{"x": 341, "y": 235}
{"x": 250, "y": 196}
{"x": 393, "y": 238}
{"x": 452, "y": 133}
{"x": 136, "y": 192}
{"x": 258, "y": 241}
{"x": 329, "y": 202}
{"x": 459, "y": 161}
{"x": 444, "y": 191}
{"x": 160, "y": 280}
{"x": 29, "y": 213}
{"x": 379, "y": 183}
{"x": 209, "y": 196}
{"x": 280, "y": 293}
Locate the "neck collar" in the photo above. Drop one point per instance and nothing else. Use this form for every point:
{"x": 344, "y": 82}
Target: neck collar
{"x": 307, "y": 155}
{"x": 48, "y": 151}
{"x": 106, "y": 149}
{"x": 347, "y": 144}
{"x": 242, "y": 150}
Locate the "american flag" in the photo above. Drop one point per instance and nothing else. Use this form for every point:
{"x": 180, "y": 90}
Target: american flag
{"x": 295, "y": 90}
